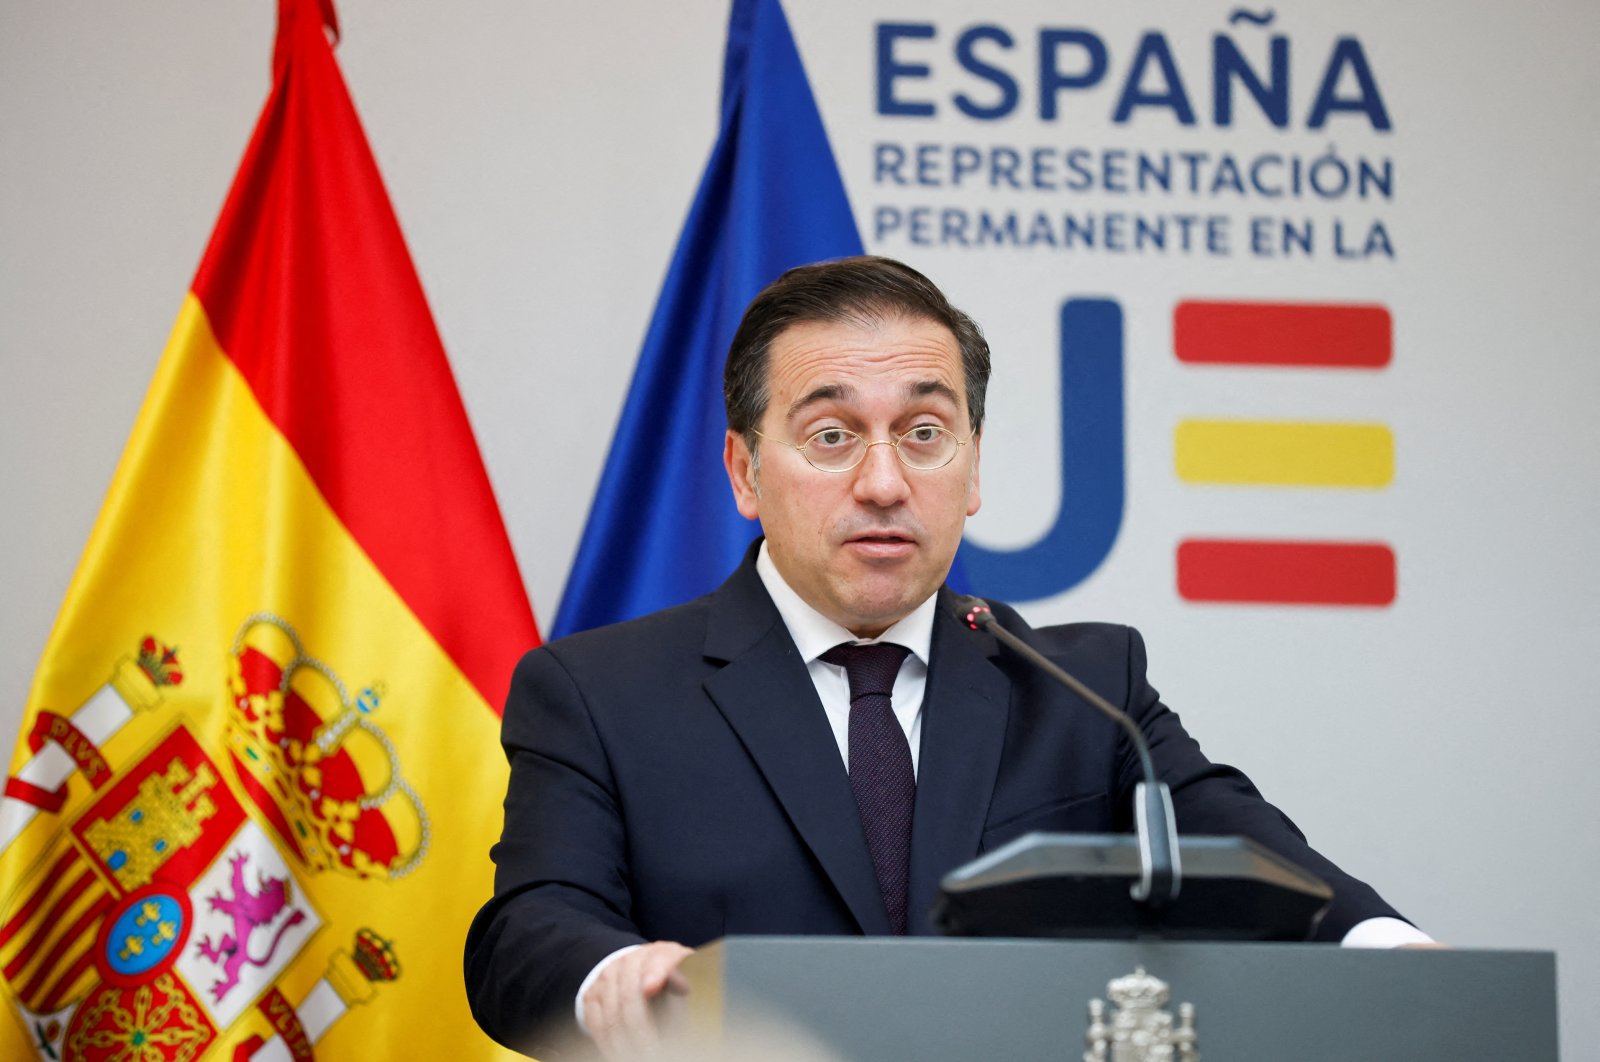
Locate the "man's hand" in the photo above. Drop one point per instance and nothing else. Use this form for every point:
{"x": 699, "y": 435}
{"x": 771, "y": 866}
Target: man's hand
{"x": 616, "y": 1007}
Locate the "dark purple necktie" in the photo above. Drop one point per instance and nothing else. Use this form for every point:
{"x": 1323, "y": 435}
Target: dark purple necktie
{"x": 880, "y": 767}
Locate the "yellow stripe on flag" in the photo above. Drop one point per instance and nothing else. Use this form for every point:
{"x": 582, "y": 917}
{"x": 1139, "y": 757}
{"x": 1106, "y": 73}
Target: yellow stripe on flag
{"x": 1284, "y": 453}
{"x": 210, "y": 520}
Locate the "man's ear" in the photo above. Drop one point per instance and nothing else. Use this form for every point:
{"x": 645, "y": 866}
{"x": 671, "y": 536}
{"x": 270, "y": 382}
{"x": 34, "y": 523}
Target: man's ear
{"x": 741, "y": 466}
{"x": 973, "y": 499}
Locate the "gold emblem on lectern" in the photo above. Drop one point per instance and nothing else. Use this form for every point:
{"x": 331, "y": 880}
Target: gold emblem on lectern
{"x": 1141, "y": 1029}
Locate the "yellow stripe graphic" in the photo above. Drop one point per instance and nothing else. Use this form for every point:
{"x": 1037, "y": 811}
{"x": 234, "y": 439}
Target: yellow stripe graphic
{"x": 1284, "y": 453}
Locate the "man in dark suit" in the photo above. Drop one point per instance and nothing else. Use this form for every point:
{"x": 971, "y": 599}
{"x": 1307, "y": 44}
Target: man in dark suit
{"x": 811, "y": 747}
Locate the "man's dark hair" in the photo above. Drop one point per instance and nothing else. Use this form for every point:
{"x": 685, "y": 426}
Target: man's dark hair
{"x": 867, "y": 290}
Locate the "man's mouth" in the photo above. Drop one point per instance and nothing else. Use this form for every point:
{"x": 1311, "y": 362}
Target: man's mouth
{"x": 881, "y": 543}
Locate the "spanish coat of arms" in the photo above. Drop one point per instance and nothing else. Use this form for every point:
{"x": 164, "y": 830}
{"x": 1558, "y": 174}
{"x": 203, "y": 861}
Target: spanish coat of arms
{"x": 172, "y": 901}
{"x": 1141, "y": 1029}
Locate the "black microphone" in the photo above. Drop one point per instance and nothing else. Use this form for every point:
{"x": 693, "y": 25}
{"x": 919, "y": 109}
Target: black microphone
{"x": 1160, "y": 876}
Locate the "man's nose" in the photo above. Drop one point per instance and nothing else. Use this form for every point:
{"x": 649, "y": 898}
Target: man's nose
{"x": 881, "y": 478}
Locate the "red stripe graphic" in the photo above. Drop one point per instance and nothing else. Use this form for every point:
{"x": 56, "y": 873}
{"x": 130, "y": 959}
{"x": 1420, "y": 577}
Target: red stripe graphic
{"x": 1286, "y": 573}
{"x": 1326, "y": 335}
{"x": 48, "y": 923}
{"x": 67, "y": 861}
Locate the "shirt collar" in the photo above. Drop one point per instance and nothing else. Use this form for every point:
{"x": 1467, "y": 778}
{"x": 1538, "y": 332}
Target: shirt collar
{"x": 814, "y": 633}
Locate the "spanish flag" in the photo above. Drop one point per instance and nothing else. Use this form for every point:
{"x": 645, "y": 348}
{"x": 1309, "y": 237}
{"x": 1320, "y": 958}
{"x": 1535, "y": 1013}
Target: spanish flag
{"x": 249, "y": 813}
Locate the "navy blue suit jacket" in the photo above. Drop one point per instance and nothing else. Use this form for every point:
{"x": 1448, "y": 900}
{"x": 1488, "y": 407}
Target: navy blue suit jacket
{"x": 675, "y": 778}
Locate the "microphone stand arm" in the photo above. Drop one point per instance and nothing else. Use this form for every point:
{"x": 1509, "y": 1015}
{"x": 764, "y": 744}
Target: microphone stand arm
{"x": 1160, "y": 876}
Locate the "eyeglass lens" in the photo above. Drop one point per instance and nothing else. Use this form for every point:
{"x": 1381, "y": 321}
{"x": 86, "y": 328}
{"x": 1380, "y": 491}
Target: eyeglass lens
{"x": 924, "y": 447}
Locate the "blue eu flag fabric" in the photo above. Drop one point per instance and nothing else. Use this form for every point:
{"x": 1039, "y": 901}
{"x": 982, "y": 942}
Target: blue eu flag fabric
{"x": 663, "y": 528}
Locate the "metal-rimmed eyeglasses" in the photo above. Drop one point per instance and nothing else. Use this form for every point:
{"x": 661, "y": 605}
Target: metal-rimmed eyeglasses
{"x": 924, "y": 448}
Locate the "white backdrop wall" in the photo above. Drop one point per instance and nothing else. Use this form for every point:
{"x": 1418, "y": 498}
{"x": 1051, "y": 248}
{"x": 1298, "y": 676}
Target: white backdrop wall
{"x": 541, "y": 158}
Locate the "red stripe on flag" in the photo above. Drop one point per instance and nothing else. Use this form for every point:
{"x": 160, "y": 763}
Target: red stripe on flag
{"x": 312, "y": 295}
{"x": 74, "y": 938}
{"x": 1286, "y": 573}
{"x": 1283, "y": 333}
{"x": 47, "y": 923}
{"x": 68, "y": 860}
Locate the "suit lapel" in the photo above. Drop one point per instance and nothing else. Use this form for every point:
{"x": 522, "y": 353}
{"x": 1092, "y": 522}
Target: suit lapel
{"x": 768, "y": 699}
{"x": 963, "y": 731}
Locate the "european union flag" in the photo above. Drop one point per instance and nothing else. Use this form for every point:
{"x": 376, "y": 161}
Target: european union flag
{"x": 663, "y": 528}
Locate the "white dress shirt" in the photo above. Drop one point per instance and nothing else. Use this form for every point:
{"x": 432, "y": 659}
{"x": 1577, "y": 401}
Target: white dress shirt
{"x": 814, "y": 634}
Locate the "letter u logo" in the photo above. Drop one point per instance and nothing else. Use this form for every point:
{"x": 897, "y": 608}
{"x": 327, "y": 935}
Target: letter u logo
{"x": 1092, "y": 469}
